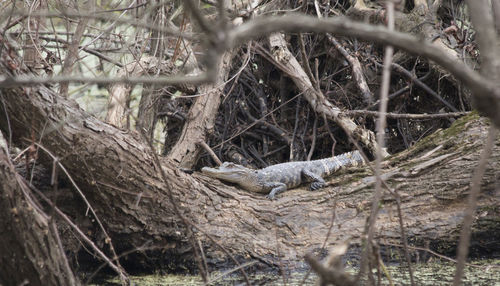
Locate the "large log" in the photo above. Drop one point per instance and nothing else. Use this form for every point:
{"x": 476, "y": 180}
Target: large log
{"x": 116, "y": 172}
{"x": 29, "y": 249}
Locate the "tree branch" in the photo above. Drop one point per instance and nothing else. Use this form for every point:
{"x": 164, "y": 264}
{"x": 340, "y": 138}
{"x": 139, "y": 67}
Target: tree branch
{"x": 486, "y": 92}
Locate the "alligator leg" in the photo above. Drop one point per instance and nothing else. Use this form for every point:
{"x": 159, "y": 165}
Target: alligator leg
{"x": 276, "y": 188}
{"x": 317, "y": 181}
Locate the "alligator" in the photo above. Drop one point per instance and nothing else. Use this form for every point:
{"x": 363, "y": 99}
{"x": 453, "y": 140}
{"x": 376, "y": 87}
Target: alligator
{"x": 280, "y": 177}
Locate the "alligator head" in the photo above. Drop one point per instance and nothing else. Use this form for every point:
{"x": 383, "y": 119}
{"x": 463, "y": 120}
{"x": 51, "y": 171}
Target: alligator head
{"x": 234, "y": 173}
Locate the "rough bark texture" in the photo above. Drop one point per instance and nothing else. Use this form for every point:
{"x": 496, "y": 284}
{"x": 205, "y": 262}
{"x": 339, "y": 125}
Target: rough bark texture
{"x": 114, "y": 168}
{"x": 119, "y": 94}
{"x": 201, "y": 117}
{"x": 73, "y": 50}
{"x": 29, "y": 252}
{"x": 148, "y": 106}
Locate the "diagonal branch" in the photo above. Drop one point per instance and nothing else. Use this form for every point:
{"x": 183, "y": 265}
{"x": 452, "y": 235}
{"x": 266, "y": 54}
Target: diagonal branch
{"x": 475, "y": 187}
{"x": 485, "y": 91}
{"x": 289, "y": 64}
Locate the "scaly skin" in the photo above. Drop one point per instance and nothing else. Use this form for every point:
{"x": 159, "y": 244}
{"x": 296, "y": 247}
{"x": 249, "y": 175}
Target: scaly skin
{"x": 280, "y": 177}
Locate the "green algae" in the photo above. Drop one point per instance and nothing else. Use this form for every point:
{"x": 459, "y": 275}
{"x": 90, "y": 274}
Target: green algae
{"x": 438, "y": 272}
{"x": 435, "y": 272}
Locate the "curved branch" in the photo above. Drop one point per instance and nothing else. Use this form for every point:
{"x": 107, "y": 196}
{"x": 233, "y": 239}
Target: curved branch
{"x": 115, "y": 171}
{"x": 483, "y": 89}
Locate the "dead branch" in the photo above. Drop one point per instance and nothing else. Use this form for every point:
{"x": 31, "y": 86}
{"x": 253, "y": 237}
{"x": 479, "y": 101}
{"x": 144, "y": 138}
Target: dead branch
{"x": 315, "y": 98}
{"x": 409, "y": 116}
{"x": 486, "y": 92}
{"x": 73, "y": 49}
{"x": 463, "y": 245}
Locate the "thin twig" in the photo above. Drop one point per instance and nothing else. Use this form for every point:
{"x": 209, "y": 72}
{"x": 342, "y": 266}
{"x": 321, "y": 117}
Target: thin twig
{"x": 210, "y": 152}
{"x": 9, "y": 81}
{"x": 89, "y": 207}
{"x": 305, "y": 60}
{"x": 208, "y": 29}
{"x": 255, "y": 122}
{"x": 187, "y": 223}
{"x": 404, "y": 115}
{"x": 398, "y": 203}
{"x": 332, "y": 222}
{"x": 294, "y": 134}
{"x": 116, "y": 268}
{"x": 422, "y": 85}
{"x": 67, "y": 268}
{"x": 389, "y": 50}
{"x": 313, "y": 141}
{"x": 475, "y": 186}
{"x": 134, "y": 22}
{"x": 94, "y": 52}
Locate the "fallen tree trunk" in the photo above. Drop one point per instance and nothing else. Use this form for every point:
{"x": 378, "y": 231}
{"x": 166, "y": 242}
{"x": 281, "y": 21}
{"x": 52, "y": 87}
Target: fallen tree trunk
{"x": 116, "y": 173}
{"x": 30, "y": 252}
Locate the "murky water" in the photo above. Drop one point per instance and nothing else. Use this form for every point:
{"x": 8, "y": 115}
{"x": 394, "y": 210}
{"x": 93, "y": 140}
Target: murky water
{"x": 432, "y": 273}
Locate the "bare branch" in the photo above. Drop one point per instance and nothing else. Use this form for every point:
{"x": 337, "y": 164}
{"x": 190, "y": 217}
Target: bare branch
{"x": 294, "y": 23}
{"x": 475, "y": 187}
{"x": 73, "y": 49}
{"x": 381, "y": 123}
{"x": 204, "y": 25}
{"x": 482, "y": 17}
{"x": 409, "y": 116}
{"x": 422, "y": 85}
{"x": 484, "y": 90}
{"x": 8, "y": 81}
{"x": 134, "y": 22}
{"x": 357, "y": 71}
{"x": 289, "y": 64}
{"x": 330, "y": 275}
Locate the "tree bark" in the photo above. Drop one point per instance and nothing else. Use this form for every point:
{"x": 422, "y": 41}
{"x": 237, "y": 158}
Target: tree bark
{"x": 29, "y": 249}
{"x": 119, "y": 94}
{"x": 74, "y": 48}
{"x": 201, "y": 117}
{"x": 116, "y": 172}
{"x": 148, "y": 106}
